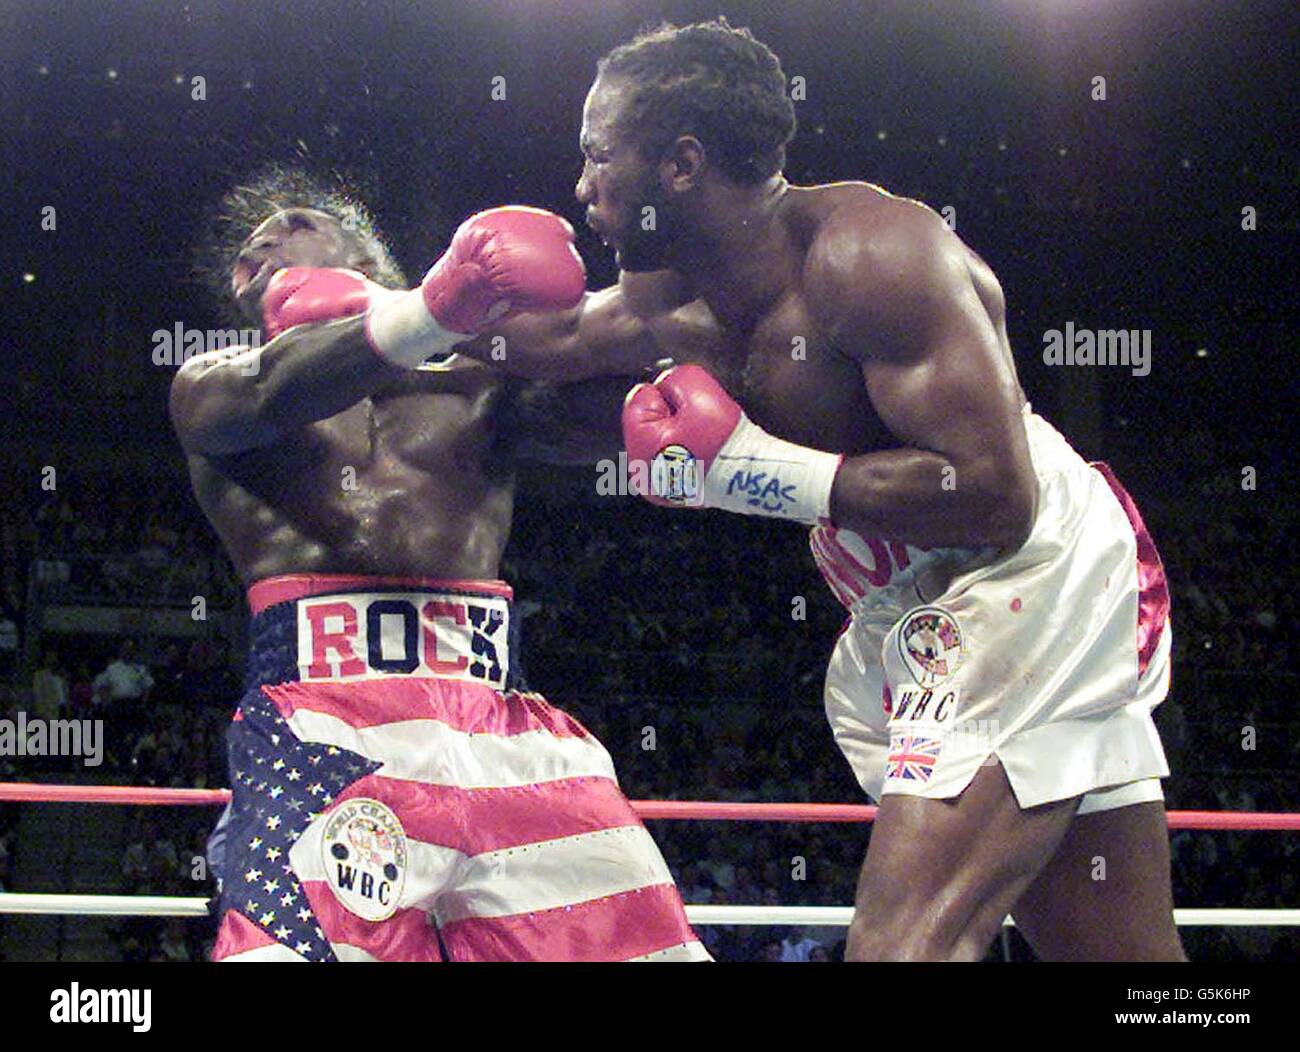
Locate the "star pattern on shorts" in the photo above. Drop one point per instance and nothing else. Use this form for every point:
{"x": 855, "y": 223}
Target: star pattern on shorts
{"x": 272, "y": 807}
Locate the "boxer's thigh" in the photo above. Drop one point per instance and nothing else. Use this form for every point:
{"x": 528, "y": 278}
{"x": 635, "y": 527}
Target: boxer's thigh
{"x": 352, "y": 881}
{"x": 1105, "y": 895}
{"x": 855, "y": 702}
{"x": 240, "y": 941}
{"x": 557, "y": 864}
{"x": 404, "y": 938}
{"x": 573, "y": 876}
{"x": 940, "y": 875}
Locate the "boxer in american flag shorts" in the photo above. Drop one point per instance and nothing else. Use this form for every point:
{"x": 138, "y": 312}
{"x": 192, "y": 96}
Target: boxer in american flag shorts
{"x": 394, "y": 785}
{"x": 397, "y": 794}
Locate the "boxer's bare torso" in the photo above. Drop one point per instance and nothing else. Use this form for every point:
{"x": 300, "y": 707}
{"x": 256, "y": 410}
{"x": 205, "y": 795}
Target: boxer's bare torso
{"x": 412, "y": 480}
{"x": 310, "y": 454}
{"x": 795, "y": 377}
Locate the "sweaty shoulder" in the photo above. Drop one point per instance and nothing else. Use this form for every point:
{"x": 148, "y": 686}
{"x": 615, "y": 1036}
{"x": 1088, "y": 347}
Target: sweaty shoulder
{"x": 875, "y": 263}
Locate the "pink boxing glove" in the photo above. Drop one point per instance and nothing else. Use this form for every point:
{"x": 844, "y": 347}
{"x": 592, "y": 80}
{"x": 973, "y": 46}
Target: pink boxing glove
{"x": 692, "y": 445}
{"x": 504, "y": 261}
{"x": 300, "y": 295}
{"x": 500, "y": 262}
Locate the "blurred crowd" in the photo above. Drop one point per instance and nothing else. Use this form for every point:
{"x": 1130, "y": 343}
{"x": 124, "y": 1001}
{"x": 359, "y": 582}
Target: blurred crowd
{"x": 692, "y": 645}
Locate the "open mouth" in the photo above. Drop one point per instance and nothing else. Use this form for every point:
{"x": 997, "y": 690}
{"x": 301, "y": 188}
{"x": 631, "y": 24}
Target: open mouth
{"x": 251, "y": 278}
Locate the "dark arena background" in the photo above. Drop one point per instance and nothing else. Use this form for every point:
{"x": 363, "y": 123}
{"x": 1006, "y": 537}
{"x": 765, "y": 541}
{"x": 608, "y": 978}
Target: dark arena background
{"x": 1119, "y": 165}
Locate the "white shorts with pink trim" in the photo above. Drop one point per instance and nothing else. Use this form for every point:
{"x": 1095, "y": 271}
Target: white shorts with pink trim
{"x": 396, "y": 799}
{"x": 1049, "y": 660}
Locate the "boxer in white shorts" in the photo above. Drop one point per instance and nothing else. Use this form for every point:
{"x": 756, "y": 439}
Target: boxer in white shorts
{"x": 868, "y": 347}
{"x": 952, "y": 659}
{"x": 996, "y": 700}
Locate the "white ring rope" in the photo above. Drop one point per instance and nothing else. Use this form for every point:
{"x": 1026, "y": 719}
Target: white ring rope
{"x": 840, "y": 916}
{"x": 103, "y": 905}
{"x": 799, "y": 916}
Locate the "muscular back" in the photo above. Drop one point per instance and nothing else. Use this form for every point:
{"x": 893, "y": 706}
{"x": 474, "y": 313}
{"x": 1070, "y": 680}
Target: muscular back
{"x": 409, "y": 481}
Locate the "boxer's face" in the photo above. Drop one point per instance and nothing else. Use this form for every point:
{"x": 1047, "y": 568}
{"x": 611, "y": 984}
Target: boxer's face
{"x": 294, "y": 237}
{"x": 626, "y": 205}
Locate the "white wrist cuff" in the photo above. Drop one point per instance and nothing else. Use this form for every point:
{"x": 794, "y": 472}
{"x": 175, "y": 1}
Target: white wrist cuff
{"x": 402, "y": 331}
{"x": 756, "y": 473}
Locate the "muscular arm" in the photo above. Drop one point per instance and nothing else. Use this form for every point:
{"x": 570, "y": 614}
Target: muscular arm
{"x": 223, "y": 403}
{"x": 576, "y": 423}
{"x": 573, "y": 417}
{"x": 613, "y": 332}
{"x": 895, "y": 292}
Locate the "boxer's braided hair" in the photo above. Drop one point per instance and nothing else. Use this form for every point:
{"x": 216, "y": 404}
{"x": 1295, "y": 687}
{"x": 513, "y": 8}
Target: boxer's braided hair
{"x": 711, "y": 80}
{"x": 271, "y": 189}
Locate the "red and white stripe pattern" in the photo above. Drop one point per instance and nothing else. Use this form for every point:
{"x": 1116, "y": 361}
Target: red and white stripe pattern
{"x": 853, "y": 565}
{"x": 520, "y": 844}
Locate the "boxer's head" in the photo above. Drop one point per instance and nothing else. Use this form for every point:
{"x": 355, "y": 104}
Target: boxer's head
{"x": 669, "y": 112}
{"x": 285, "y": 218}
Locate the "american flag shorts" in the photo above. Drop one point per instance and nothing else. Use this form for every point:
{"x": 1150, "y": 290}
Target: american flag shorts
{"x": 383, "y": 812}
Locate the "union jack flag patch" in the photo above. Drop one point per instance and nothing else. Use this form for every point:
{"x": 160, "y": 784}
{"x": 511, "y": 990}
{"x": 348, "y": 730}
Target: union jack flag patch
{"x": 912, "y": 758}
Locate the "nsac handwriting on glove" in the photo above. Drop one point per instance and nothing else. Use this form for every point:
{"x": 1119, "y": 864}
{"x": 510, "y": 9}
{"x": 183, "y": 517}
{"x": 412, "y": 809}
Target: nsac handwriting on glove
{"x": 695, "y": 447}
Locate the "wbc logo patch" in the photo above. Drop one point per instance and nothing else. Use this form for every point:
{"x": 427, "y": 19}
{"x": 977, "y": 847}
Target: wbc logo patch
{"x": 930, "y": 645}
{"x": 364, "y": 851}
{"x": 675, "y": 475}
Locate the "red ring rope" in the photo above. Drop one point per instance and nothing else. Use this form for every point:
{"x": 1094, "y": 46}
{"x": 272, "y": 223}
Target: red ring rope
{"x": 35, "y": 792}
